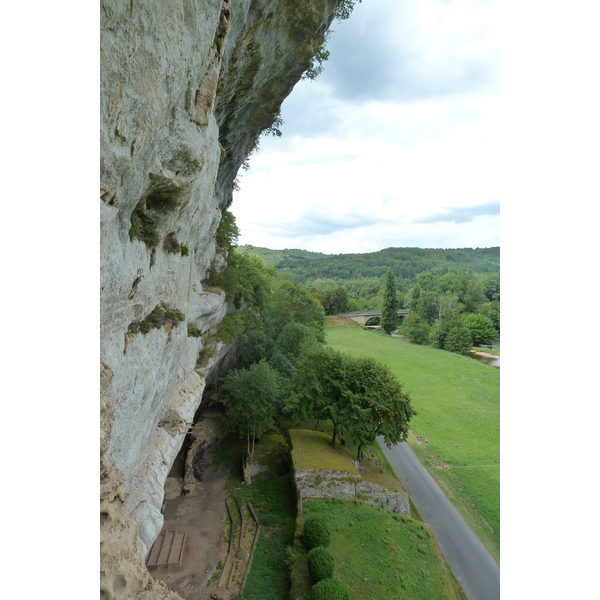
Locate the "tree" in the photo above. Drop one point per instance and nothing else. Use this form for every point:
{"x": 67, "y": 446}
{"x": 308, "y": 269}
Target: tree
{"x": 415, "y": 328}
{"x": 291, "y": 302}
{"x": 294, "y": 341}
{"x": 389, "y": 310}
{"x": 320, "y": 389}
{"x": 339, "y": 299}
{"x": 250, "y": 400}
{"x": 256, "y": 345}
{"x": 491, "y": 287}
{"x": 458, "y": 339}
{"x": 379, "y": 405}
{"x": 480, "y": 327}
{"x": 359, "y": 395}
{"x": 469, "y": 291}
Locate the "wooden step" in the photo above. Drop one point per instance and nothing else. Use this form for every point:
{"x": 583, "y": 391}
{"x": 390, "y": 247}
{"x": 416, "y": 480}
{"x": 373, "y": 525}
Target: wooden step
{"x": 163, "y": 557}
{"x": 167, "y": 549}
{"x": 176, "y": 549}
{"x": 155, "y": 551}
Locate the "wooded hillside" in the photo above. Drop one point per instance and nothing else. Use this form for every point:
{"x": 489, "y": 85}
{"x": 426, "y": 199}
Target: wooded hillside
{"x": 405, "y": 263}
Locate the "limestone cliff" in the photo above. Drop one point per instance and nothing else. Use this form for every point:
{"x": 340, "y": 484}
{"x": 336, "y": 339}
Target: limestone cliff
{"x": 187, "y": 86}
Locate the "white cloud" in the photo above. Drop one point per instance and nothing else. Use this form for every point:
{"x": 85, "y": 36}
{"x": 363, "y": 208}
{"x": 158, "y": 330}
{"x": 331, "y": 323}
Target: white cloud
{"x": 359, "y": 173}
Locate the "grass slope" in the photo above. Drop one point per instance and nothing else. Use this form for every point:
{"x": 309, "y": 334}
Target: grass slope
{"x": 458, "y": 401}
{"x": 381, "y": 555}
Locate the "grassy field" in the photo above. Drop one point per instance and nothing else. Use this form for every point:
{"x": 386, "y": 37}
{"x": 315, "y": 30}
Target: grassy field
{"x": 383, "y": 555}
{"x": 458, "y": 401}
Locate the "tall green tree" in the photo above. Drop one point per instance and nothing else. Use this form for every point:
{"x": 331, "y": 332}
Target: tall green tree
{"x": 250, "y": 401}
{"x": 389, "y": 310}
{"x": 360, "y": 396}
{"x": 320, "y": 388}
{"x": 379, "y": 405}
{"x": 339, "y": 299}
{"x": 291, "y": 302}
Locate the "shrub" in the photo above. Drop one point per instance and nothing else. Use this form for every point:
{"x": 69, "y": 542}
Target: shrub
{"x": 156, "y": 316}
{"x": 145, "y": 327}
{"x": 458, "y": 339}
{"x": 208, "y": 351}
{"x": 143, "y": 228}
{"x": 185, "y": 250}
{"x": 194, "y": 332}
{"x": 175, "y": 315}
{"x": 134, "y": 327}
{"x": 320, "y": 563}
{"x": 171, "y": 245}
{"x": 316, "y": 532}
{"x": 330, "y": 589}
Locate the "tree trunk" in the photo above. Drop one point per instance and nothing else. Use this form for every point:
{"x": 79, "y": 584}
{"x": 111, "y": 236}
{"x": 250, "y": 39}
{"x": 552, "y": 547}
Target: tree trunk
{"x": 334, "y": 434}
{"x": 317, "y": 425}
{"x": 358, "y": 452}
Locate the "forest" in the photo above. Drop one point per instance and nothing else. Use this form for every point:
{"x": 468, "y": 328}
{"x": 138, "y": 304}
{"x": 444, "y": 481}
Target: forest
{"x": 405, "y": 263}
{"x": 453, "y": 296}
{"x": 285, "y": 366}
{"x": 443, "y": 289}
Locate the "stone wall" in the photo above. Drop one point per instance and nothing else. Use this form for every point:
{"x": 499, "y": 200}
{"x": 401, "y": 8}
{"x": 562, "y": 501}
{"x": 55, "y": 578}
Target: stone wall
{"x": 326, "y": 483}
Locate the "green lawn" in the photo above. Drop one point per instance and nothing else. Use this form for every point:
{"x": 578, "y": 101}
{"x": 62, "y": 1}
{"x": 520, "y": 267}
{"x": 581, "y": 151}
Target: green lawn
{"x": 313, "y": 450}
{"x": 383, "y": 555}
{"x": 458, "y": 401}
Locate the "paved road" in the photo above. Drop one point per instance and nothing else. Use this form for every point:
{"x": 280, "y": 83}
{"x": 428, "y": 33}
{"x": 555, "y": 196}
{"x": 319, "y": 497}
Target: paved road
{"x": 474, "y": 567}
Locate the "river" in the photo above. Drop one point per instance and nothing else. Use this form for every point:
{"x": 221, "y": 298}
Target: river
{"x": 491, "y": 359}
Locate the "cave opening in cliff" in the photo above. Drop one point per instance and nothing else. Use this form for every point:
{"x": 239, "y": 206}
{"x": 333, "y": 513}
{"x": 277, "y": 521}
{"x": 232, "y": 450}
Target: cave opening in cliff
{"x": 189, "y": 464}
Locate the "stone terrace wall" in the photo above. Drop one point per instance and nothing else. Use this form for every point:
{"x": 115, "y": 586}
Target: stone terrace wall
{"x": 326, "y": 483}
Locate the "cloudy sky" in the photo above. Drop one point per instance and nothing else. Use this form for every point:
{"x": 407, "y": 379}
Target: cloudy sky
{"x": 395, "y": 144}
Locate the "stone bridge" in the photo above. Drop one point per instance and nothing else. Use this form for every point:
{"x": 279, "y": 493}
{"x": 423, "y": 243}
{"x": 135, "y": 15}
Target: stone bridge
{"x": 363, "y": 317}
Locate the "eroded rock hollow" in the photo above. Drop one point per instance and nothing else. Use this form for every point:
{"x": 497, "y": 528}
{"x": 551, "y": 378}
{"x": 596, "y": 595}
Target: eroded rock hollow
{"x": 187, "y": 87}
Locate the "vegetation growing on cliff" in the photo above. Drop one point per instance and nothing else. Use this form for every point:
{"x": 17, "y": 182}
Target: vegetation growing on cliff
{"x": 160, "y": 316}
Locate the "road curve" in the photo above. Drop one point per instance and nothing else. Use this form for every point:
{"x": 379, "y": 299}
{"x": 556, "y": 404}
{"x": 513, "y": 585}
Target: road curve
{"x": 474, "y": 567}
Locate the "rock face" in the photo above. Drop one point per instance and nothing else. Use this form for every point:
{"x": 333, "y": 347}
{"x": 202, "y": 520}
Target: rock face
{"x": 186, "y": 89}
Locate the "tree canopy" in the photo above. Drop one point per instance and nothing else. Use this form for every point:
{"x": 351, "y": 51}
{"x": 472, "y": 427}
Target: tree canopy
{"x": 480, "y": 327}
{"x": 250, "y": 401}
{"x": 360, "y": 396}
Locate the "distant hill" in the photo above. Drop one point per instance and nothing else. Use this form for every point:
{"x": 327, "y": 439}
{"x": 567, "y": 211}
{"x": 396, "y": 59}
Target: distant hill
{"x": 406, "y": 263}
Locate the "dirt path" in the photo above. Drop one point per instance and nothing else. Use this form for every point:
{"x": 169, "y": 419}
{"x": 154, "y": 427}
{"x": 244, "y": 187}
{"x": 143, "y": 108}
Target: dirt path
{"x": 201, "y": 515}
